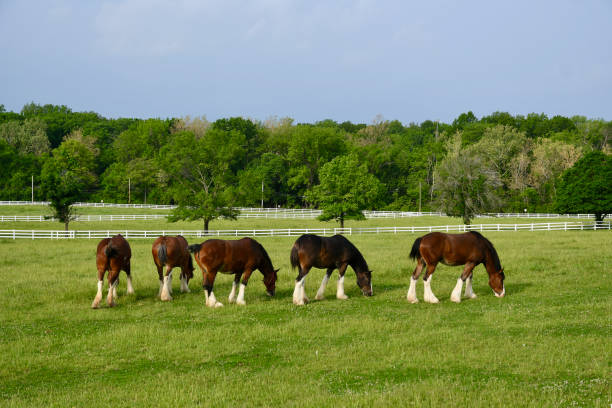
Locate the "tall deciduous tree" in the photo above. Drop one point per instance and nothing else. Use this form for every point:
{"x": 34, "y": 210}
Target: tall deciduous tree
{"x": 309, "y": 149}
{"x": 587, "y": 186}
{"x": 345, "y": 190}
{"x": 466, "y": 185}
{"x": 67, "y": 177}
{"x": 200, "y": 174}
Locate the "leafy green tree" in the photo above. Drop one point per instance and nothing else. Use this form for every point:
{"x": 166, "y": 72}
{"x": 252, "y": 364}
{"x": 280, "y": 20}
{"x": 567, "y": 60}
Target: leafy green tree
{"x": 200, "y": 174}
{"x": 28, "y": 136}
{"x": 309, "y": 149}
{"x": 587, "y": 186}
{"x": 549, "y": 160}
{"x": 134, "y": 182}
{"x": 345, "y": 190}
{"x": 67, "y": 177}
{"x": 269, "y": 171}
{"x": 465, "y": 184}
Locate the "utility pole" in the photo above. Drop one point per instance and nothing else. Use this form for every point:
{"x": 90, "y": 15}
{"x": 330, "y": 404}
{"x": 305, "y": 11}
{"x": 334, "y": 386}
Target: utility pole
{"x": 262, "y": 191}
{"x": 32, "y": 188}
{"x": 129, "y": 190}
{"x": 419, "y": 197}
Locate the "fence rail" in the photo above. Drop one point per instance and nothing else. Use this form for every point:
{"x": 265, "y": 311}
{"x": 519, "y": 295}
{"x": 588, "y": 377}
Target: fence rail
{"x": 90, "y": 234}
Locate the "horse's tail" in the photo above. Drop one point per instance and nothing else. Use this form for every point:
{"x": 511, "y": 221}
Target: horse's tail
{"x": 109, "y": 251}
{"x": 415, "y": 252}
{"x": 194, "y": 248}
{"x": 162, "y": 253}
{"x": 295, "y": 258}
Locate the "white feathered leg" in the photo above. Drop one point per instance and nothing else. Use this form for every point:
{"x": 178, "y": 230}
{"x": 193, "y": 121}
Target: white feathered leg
{"x": 456, "y": 293}
{"x": 211, "y": 301}
{"x": 165, "y": 293}
{"x": 428, "y": 295}
{"x": 321, "y": 292}
{"x": 112, "y": 293}
{"x": 240, "y": 300}
{"x": 340, "y": 291}
{"x": 98, "y": 298}
{"x": 298, "y": 292}
{"x": 412, "y": 296}
{"x": 469, "y": 292}
{"x": 184, "y": 285}
{"x": 232, "y": 296}
{"x": 130, "y": 288}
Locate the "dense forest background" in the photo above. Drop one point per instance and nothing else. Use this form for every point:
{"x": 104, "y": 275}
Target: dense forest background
{"x": 517, "y": 160}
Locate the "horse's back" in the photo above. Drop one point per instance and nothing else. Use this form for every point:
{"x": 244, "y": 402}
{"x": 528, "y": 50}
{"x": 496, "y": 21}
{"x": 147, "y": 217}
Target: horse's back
{"x": 451, "y": 249}
{"x": 325, "y": 252}
{"x": 231, "y": 255}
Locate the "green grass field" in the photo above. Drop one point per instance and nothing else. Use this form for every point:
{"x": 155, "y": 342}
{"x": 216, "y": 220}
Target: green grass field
{"x": 547, "y": 343}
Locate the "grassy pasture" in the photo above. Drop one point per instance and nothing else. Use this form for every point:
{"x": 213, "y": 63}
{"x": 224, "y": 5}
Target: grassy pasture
{"x": 547, "y": 343}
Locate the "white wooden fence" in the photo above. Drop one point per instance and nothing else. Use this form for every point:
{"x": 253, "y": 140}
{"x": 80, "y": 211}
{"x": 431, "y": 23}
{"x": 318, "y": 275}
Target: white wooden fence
{"x": 255, "y": 212}
{"x": 98, "y": 234}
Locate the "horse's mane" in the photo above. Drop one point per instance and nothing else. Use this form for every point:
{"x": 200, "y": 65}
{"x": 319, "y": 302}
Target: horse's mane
{"x": 490, "y": 248}
{"x": 265, "y": 253}
{"x": 358, "y": 257}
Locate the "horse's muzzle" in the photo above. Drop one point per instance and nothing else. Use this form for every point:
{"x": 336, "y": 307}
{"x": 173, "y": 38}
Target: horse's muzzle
{"x": 270, "y": 293}
{"x": 500, "y": 295}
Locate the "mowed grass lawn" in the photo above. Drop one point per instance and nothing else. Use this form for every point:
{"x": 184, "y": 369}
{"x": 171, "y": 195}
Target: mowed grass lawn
{"x": 547, "y": 343}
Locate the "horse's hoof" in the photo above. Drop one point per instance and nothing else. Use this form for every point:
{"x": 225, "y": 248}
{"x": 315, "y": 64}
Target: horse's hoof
{"x": 413, "y": 300}
{"x": 218, "y": 304}
{"x": 472, "y": 296}
{"x": 95, "y": 305}
{"x": 342, "y": 297}
{"x": 319, "y": 297}
{"x": 241, "y": 303}
{"x": 455, "y": 299}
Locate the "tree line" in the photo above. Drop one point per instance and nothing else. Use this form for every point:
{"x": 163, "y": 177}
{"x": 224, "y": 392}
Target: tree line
{"x": 500, "y": 162}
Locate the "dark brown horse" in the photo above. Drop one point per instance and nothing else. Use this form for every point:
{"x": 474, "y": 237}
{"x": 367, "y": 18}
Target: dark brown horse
{"x": 240, "y": 258}
{"x": 172, "y": 252}
{"x": 331, "y": 253}
{"x": 113, "y": 255}
{"x": 469, "y": 249}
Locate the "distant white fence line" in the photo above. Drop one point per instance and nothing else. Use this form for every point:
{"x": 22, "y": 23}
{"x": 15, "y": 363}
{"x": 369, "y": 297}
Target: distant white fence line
{"x": 549, "y": 226}
{"x": 104, "y": 217}
{"x": 274, "y": 213}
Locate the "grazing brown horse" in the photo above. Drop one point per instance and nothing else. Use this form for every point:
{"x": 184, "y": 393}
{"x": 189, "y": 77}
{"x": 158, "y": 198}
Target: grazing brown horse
{"x": 331, "y": 253}
{"x": 240, "y": 258}
{"x": 469, "y": 249}
{"x": 172, "y": 252}
{"x": 113, "y": 255}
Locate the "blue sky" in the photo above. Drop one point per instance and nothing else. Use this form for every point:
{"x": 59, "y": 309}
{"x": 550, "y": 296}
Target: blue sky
{"x": 309, "y": 60}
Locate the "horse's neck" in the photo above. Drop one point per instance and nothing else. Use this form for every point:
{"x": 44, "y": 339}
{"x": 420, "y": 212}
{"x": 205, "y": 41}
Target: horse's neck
{"x": 358, "y": 262}
{"x": 490, "y": 262}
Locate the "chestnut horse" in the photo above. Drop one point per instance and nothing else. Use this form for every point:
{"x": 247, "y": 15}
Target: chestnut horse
{"x": 240, "y": 258}
{"x": 172, "y": 252}
{"x": 113, "y": 255}
{"x": 331, "y": 253}
{"x": 469, "y": 249}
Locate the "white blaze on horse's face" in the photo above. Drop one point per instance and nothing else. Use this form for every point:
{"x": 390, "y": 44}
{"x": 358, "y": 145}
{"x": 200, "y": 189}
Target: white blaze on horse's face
{"x": 502, "y": 294}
